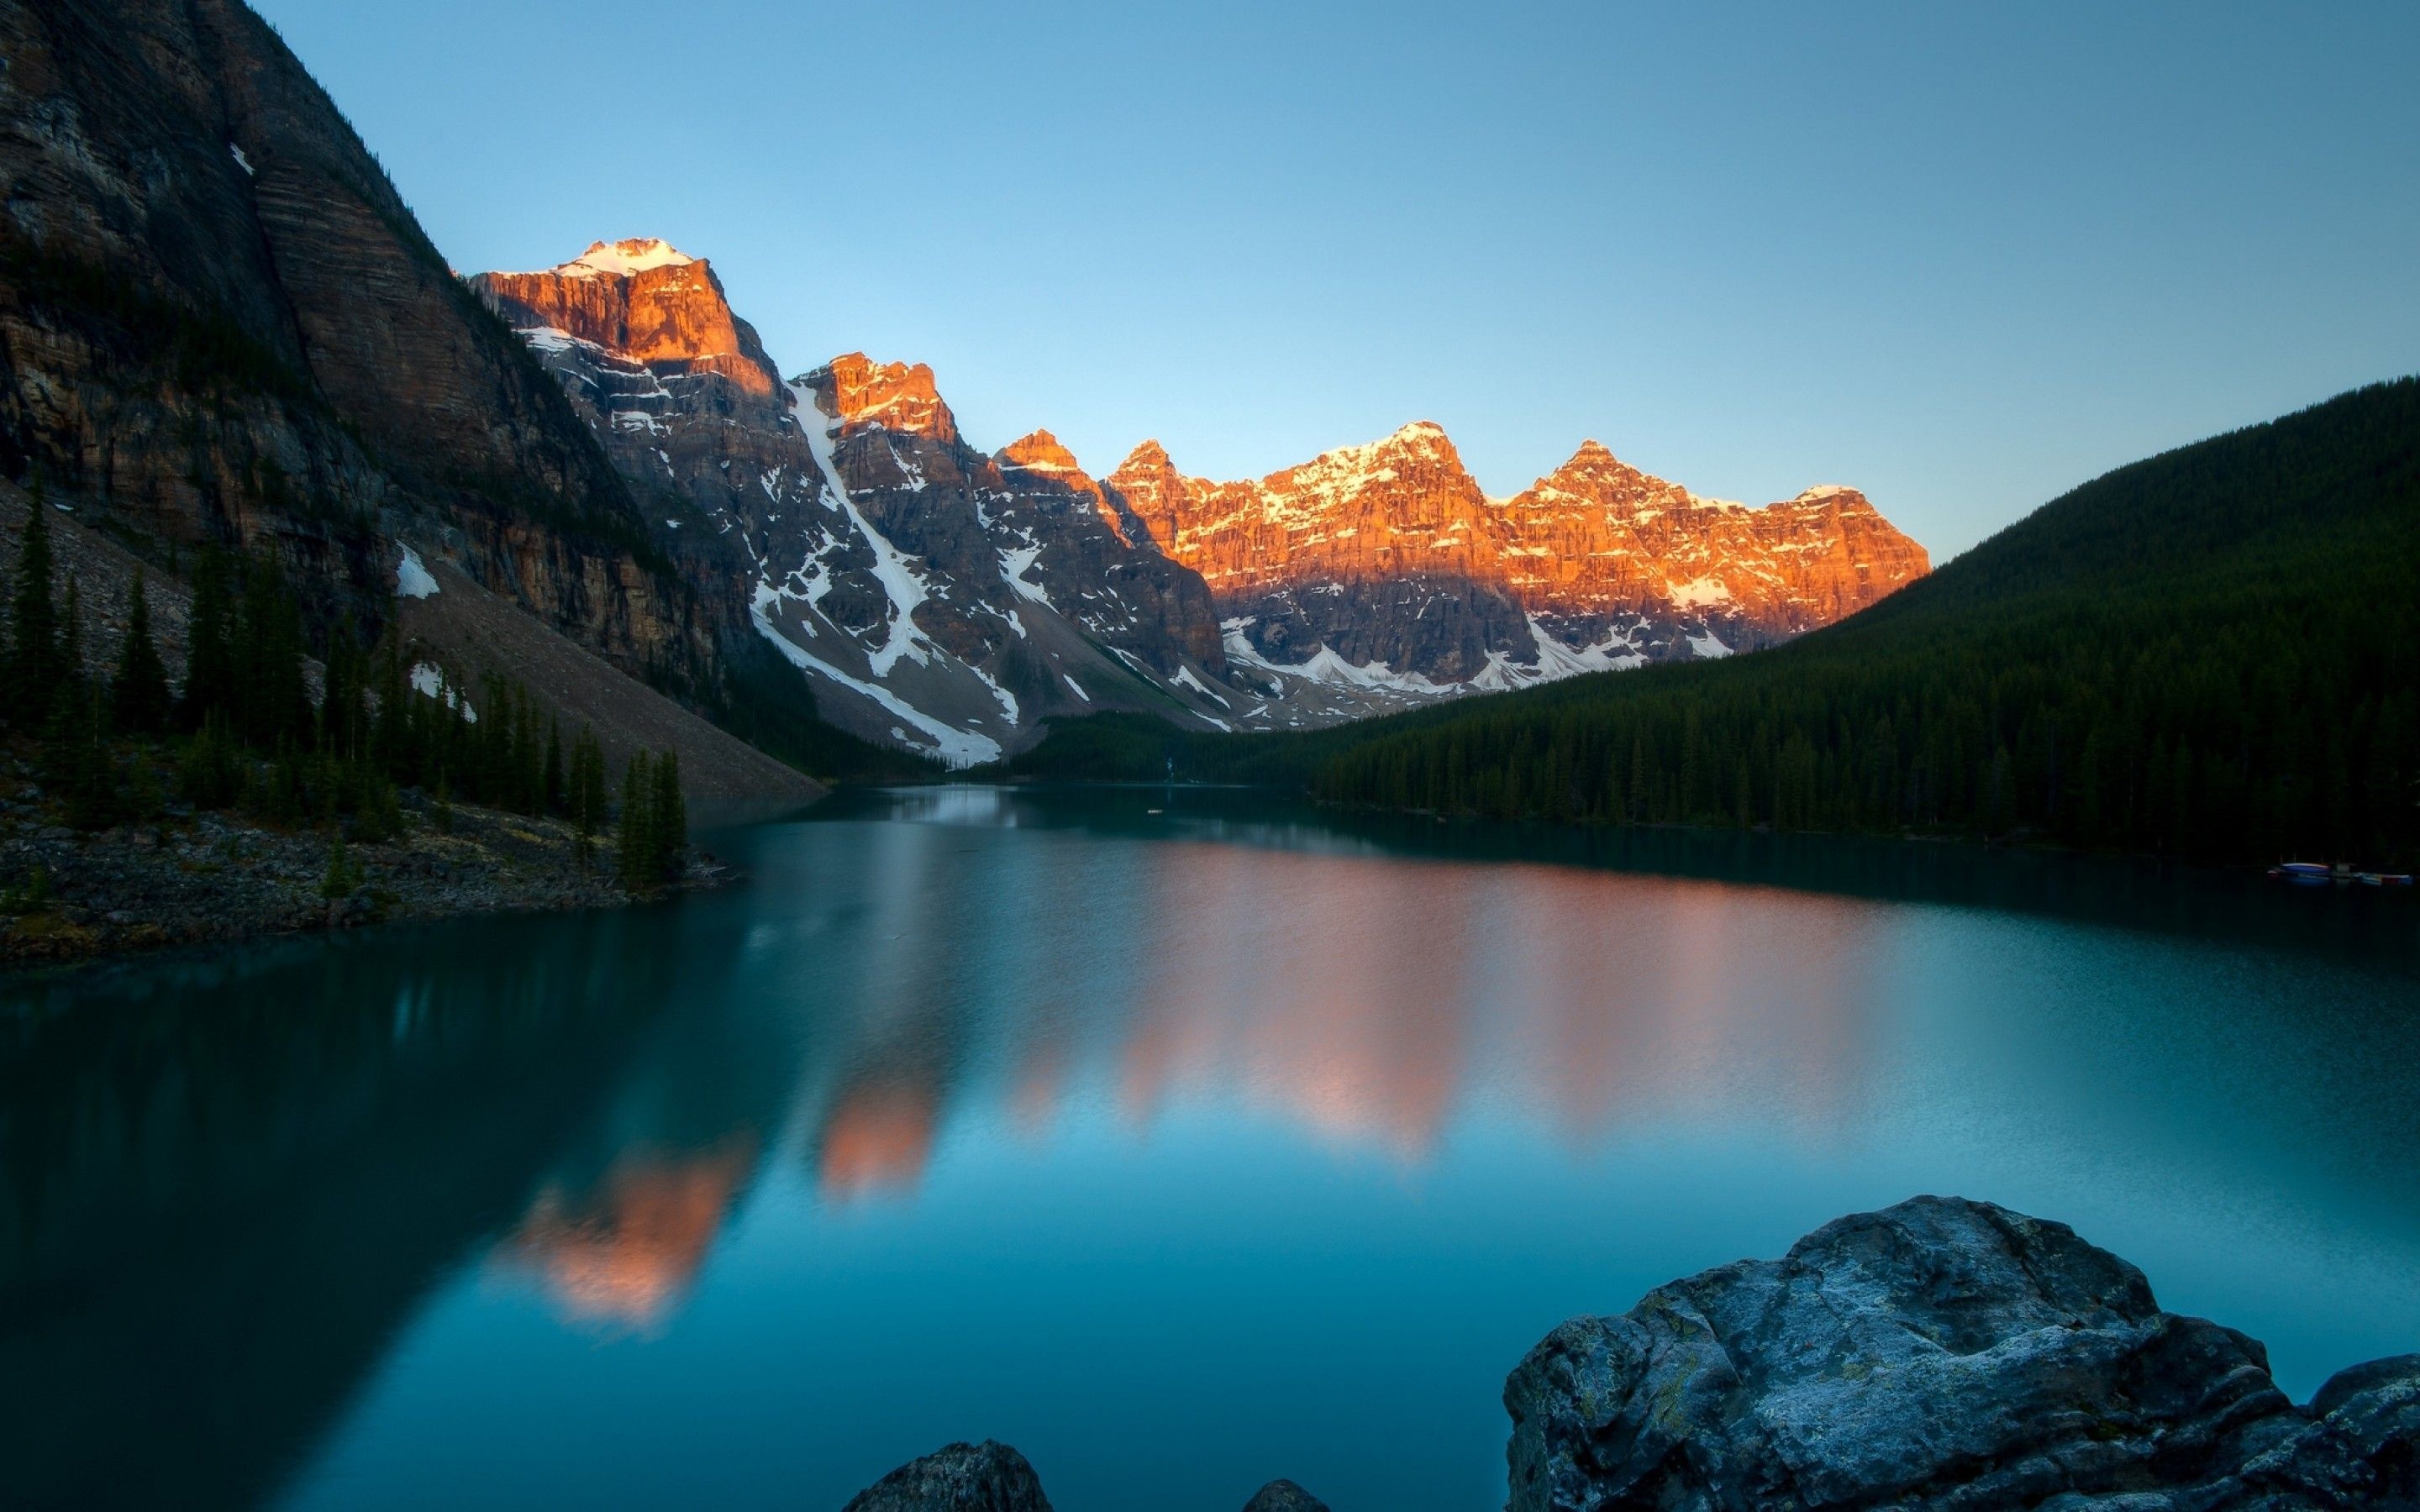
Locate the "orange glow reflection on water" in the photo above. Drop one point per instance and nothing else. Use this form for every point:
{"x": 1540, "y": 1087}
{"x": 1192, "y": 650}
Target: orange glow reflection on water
{"x": 626, "y": 1252}
{"x": 1364, "y": 1002}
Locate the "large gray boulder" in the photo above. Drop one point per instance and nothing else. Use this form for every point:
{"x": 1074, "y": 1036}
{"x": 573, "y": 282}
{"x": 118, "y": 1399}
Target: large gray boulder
{"x": 963, "y": 1477}
{"x": 1941, "y": 1353}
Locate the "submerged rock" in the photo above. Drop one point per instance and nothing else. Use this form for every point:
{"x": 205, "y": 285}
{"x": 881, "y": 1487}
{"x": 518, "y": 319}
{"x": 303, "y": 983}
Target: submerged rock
{"x": 963, "y": 1477}
{"x": 1941, "y": 1353}
{"x": 1283, "y": 1496}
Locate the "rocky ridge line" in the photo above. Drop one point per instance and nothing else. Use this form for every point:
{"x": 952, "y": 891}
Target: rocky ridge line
{"x": 1391, "y": 555}
{"x": 953, "y": 601}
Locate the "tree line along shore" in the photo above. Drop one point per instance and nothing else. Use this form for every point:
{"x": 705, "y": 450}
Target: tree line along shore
{"x": 270, "y": 788}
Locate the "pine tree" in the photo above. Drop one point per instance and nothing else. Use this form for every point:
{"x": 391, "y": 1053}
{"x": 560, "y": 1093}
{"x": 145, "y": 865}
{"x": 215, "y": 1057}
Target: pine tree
{"x": 210, "y": 675}
{"x": 553, "y": 799}
{"x": 668, "y": 818}
{"x": 588, "y": 795}
{"x": 344, "y": 718}
{"x": 79, "y": 763}
{"x": 34, "y": 635}
{"x": 377, "y": 817}
{"x": 139, "y": 692}
{"x": 271, "y": 696}
{"x": 636, "y": 849}
{"x": 211, "y": 775}
{"x": 68, "y": 690}
{"x": 340, "y": 878}
{"x": 390, "y": 729}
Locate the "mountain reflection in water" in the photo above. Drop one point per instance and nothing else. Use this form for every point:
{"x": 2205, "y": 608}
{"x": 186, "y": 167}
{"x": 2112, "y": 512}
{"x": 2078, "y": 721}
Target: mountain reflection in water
{"x": 626, "y": 1251}
{"x": 1206, "y": 1139}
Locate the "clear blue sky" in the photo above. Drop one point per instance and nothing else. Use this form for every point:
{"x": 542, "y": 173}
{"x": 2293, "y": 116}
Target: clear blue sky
{"x": 1962, "y": 260}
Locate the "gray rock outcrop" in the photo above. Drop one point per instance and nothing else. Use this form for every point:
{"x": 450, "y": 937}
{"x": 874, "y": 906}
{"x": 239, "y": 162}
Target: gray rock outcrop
{"x": 1941, "y": 1353}
{"x": 963, "y": 1477}
{"x": 1283, "y": 1496}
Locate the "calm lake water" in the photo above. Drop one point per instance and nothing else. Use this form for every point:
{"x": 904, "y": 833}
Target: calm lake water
{"x": 1182, "y": 1139}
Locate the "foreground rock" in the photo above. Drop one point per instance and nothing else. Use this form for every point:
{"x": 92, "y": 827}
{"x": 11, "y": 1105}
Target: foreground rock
{"x": 963, "y": 1477}
{"x": 993, "y": 1477}
{"x": 1283, "y": 1496}
{"x": 1941, "y": 1353}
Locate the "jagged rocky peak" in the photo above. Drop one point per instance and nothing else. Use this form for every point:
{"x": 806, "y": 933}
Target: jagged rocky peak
{"x": 1040, "y": 452}
{"x": 1148, "y": 455}
{"x": 1420, "y": 445}
{"x": 1040, "y": 465}
{"x": 1153, "y": 492}
{"x": 1594, "y": 477}
{"x": 641, "y": 300}
{"x": 863, "y": 393}
{"x": 1835, "y": 496}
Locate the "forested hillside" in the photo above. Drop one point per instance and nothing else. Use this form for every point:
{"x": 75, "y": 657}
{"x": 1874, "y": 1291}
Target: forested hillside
{"x": 2212, "y": 654}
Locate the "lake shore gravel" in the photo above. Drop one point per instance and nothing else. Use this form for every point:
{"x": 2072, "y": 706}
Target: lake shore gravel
{"x": 200, "y": 878}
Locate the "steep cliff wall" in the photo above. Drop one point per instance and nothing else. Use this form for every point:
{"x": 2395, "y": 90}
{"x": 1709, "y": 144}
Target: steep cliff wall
{"x": 220, "y": 322}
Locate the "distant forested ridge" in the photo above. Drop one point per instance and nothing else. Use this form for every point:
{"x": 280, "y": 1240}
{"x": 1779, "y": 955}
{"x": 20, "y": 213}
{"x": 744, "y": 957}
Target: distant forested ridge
{"x": 2213, "y": 654}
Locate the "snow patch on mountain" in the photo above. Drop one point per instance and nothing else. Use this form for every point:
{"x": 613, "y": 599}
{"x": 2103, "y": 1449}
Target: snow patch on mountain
{"x": 903, "y": 585}
{"x": 429, "y": 681}
{"x": 413, "y": 578}
{"x": 955, "y": 747}
{"x": 620, "y": 259}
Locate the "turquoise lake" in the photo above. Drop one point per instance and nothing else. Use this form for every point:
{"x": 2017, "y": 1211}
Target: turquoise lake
{"x": 1183, "y": 1138}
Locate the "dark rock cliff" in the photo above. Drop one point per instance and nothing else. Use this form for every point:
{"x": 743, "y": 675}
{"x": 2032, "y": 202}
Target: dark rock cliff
{"x": 220, "y": 321}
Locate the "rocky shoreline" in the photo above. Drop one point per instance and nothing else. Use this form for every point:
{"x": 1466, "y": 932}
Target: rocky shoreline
{"x": 1941, "y": 1353}
{"x": 197, "y": 878}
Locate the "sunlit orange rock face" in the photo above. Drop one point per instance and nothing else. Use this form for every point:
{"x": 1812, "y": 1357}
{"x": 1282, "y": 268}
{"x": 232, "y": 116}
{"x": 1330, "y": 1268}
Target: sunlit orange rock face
{"x": 1037, "y": 461}
{"x": 1392, "y": 551}
{"x": 1599, "y": 536}
{"x": 642, "y": 300}
{"x": 893, "y": 396}
{"x": 627, "y": 1253}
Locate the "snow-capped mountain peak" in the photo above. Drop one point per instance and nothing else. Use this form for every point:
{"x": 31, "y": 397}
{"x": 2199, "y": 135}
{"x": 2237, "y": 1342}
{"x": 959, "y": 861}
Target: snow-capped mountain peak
{"x": 620, "y": 259}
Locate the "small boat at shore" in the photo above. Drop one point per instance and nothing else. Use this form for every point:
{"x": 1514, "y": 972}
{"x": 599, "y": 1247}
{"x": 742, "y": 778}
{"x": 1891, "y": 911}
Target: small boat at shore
{"x": 2302, "y": 873}
{"x": 2317, "y": 874}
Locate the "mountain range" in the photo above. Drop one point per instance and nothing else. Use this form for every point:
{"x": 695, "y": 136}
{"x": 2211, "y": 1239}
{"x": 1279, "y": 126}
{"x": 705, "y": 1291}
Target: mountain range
{"x": 222, "y": 324}
{"x": 953, "y": 600}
